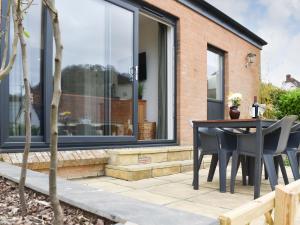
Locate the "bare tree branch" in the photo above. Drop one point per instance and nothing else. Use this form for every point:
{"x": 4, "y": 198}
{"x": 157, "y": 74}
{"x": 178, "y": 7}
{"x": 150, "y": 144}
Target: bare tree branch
{"x": 58, "y": 215}
{"x": 27, "y": 109}
{"x": 5, "y": 71}
{"x": 27, "y": 6}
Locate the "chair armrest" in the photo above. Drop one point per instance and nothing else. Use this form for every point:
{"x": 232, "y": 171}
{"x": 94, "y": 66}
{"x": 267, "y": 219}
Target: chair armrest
{"x": 278, "y": 124}
{"x": 232, "y": 131}
{"x": 296, "y": 127}
{"x": 271, "y": 128}
{"x": 208, "y": 131}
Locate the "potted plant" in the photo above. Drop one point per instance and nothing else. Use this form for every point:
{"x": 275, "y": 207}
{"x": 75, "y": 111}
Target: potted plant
{"x": 140, "y": 90}
{"x": 234, "y": 103}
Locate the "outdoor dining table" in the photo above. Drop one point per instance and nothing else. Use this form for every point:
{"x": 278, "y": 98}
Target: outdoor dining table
{"x": 259, "y": 124}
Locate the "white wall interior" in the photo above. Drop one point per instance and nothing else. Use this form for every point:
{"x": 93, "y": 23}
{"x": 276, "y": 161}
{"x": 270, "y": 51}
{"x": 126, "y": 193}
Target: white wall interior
{"x": 148, "y": 42}
{"x": 171, "y": 82}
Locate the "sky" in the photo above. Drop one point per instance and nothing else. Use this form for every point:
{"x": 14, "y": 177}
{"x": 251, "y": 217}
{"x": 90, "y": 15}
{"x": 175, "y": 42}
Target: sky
{"x": 278, "y": 23}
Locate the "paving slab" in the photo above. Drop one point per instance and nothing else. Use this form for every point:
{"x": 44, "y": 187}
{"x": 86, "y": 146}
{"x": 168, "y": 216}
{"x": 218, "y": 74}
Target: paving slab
{"x": 149, "y": 197}
{"x": 113, "y": 206}
{"x": 176, "y": 177}
{"x": 198, "y": 208}
{"x": 177, "y": 190}
{"x": 140, "y": 184}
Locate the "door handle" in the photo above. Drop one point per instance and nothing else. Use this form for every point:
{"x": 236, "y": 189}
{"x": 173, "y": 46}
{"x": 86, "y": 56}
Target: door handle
{"x": 136, "y": 73}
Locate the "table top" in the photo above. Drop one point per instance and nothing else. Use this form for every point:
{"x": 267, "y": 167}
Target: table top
{"x": 233, "y": 121}
{"x": 239, "y": 123}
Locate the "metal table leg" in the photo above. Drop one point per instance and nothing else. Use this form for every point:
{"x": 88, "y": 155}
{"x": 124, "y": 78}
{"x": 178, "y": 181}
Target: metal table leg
{"x": 196, "y": 155}
{"x": 258, "y": 163}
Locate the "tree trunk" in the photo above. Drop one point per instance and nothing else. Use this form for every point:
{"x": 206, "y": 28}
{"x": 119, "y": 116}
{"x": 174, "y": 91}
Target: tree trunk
{"x": 27, "y": 110}
{"x": 5, "y": 69}
{"x": 58, "y": 215}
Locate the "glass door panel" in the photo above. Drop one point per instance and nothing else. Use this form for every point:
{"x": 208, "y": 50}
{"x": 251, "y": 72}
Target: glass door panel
{"x": 97, "y": 84}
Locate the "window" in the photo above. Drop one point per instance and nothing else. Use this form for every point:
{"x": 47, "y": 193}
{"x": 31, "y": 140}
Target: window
{"x": 102, "y": 44}
{"x": 215, "y": 62}
{"x": 32, "y": 24}
{"x": 97, "y": 88}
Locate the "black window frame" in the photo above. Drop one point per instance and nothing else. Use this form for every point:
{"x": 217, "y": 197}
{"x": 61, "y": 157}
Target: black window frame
{"x": 41, "y": 143}
{"x": 5, "y": 139}
{"x": 221, "y": 53}
{"x": 220, "y": 103}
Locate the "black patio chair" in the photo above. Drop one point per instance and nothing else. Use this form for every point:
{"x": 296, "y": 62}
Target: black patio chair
{"x": 275, "y": 140}
{"x": 220, "y": 144}
{"x": 293, "y": 150}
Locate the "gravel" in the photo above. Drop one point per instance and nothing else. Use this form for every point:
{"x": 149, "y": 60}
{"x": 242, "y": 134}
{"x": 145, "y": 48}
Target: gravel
{"x": 39, "y": 210}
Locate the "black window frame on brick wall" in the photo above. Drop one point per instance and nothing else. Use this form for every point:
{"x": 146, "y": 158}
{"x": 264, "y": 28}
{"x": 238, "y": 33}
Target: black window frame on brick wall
{"x": 41, "y": 143}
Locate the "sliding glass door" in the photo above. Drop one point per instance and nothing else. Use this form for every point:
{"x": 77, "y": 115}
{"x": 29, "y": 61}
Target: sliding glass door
{"x": 99, "y": 69}
{"x": 118, "y": 76}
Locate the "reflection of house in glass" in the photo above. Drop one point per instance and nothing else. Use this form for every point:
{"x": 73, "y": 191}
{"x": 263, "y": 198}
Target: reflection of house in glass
{"x": 87, "y": 89}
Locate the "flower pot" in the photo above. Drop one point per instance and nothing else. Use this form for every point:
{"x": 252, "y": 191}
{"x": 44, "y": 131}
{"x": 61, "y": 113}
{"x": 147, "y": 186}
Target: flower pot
{"x": 234, "y": 113}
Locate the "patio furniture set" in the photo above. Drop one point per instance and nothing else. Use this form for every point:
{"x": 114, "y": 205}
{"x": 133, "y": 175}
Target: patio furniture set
{"x": 225, "y": 139}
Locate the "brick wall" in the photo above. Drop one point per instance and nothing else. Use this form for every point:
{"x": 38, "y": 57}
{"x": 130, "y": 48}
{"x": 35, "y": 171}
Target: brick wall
{"x": 194, "y": 33}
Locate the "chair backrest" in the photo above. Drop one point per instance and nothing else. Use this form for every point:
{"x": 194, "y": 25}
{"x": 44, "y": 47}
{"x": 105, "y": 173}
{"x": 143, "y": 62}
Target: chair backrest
{"x": 228, "y": 138}
{"x": 280, "y": 132}
{"x": 211, "y": 140}
{"x": 294, "y": 139}
{"x": 208, "y": 140}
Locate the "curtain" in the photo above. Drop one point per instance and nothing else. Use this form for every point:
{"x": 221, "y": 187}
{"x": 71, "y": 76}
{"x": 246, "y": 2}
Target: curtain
{"x": 162, "y": 127}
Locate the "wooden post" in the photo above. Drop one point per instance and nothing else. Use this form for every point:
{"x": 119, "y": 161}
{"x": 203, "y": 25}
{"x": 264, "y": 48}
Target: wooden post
{"x": 285, "y": 206}
{"x": 224, "y": 220}
{"x": 268, "y": 218}
{"x": 250, "y": 211}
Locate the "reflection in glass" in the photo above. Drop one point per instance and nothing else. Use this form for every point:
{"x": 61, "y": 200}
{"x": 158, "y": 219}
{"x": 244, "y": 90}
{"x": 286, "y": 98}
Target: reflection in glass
{"x": 98, "y": 54}
{"x": 32, "y": 24}
{"x": 214, "y": 75}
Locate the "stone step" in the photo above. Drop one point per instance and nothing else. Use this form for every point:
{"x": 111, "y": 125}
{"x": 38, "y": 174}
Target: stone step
{"x": 71, "y": 164}
{"x": 144, "y": 171}
{"x": 149, "y": 155}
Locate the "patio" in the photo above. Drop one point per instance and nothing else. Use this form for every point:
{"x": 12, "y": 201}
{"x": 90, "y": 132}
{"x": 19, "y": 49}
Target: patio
{"x": 175, "y": 191}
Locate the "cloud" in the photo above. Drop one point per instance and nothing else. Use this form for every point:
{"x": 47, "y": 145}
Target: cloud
{"x": 235, "y": 8}
{"x": 277, "y": 21}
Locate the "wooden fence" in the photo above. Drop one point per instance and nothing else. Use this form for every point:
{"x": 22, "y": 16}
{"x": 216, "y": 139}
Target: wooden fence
{"x": 278, "y": 207}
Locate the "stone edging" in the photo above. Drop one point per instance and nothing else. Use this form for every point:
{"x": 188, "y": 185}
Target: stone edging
{"x": 120, "y": 209}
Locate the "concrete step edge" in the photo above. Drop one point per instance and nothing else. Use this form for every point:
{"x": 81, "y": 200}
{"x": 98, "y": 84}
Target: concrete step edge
{"x": 150, "y": 166}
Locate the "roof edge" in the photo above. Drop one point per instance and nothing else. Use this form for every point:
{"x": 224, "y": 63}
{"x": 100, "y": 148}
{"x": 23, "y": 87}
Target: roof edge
{"x": 212, "y": 13}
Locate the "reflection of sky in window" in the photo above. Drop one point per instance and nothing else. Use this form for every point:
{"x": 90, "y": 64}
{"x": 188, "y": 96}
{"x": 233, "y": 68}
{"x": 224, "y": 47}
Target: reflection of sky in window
{"x": 32, "y": 24}
{"x": 212, "y": 63}
{"x": 96, "y": 32}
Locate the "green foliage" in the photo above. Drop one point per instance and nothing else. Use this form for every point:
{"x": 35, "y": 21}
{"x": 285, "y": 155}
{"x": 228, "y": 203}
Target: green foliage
{"x": 140, "y": 90}
{"x": 26, "y": 34}
{"x": 288, "y": 103}
{"x": 269, "y": 95}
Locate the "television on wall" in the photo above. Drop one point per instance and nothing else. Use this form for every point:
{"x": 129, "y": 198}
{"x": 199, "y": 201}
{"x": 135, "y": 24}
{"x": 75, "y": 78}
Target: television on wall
{"x": 142, "y": 66}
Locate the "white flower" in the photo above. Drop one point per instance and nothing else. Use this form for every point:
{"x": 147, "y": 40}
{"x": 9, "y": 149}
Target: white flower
{"x": 235, "y": 96}
{"x": 234, "y": 99}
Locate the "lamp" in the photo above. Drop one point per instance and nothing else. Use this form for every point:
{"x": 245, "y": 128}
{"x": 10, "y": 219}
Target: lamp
{"x": 250, "y": 58}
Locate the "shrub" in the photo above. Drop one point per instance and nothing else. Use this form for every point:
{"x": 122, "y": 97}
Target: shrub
{"x": 269, "y": 95}
{"x": 287, "y": 103}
